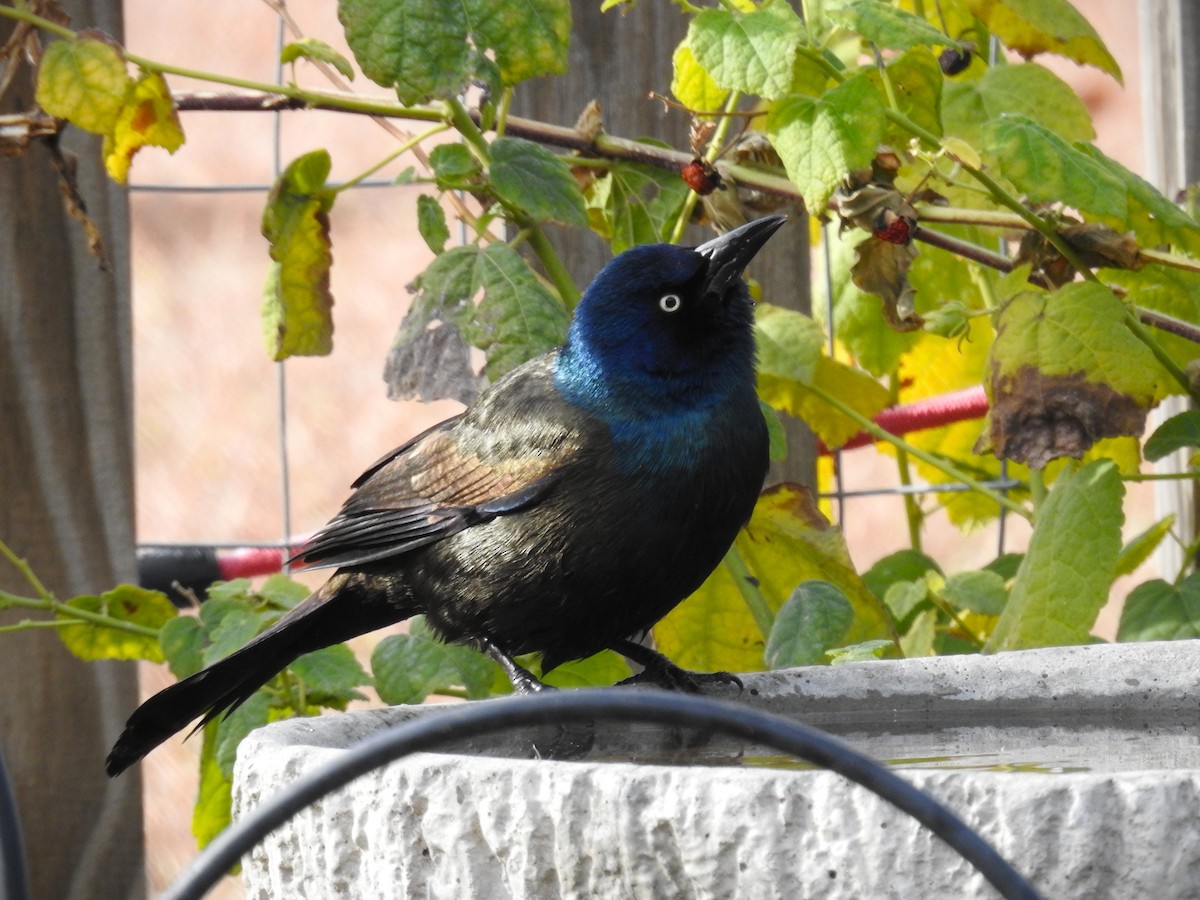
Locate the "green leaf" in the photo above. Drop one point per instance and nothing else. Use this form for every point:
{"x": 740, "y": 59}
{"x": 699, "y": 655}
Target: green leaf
{"x": 1065, "y": 372}
{"x": 408, "y": 669}
{"x": 330, "y": 676}
{"x": 148, "y": 118}
{"x": 1152, "y": 217}
{"x": 298, "y": 306}
{"x": 233, "y": 728}
{"x": 431, "y": 223}
{"x": 813, "y": 619}
{"x": 751, "y": 52}
{"x": 1006, "y": 565}
{"x": 431, "y": 49}
{"x": 125, "y": 603}
{"x": 791, "y": 363}
{"x": 230, "y": 626}
{"x": 1047, "y": 169}
{"x": 84, "y": 81}
{"x": 1139, "y": 548}
{"x": 517, "y": 318}
{"x": 863, "y": 652}
{"x": 981, "y": 592}
{"x": 903, "y": 597}
{"x": 318, "y": 51}
{"x": 920, "y": 638}
{"x": 635, "y": 204}
{"x": 1030, "y": 90}
{"x": 1163, "y": 289}
{"x": 1046, "y": 26}
{"x": 1160, "y": 611}
{"x": 916, "y": 80}
{"x": 820, "y": 140}
{"x": 279, "y": 591}
{"x": 787, "y": 542}
{"x": 889, "y": 26}
{"x": 419, "y": 46}
{"x": 1069, "y": 567}
{"x": 182, "y": 641}
{"x": 536, "y": 181}
{"x": 599, "y": 670}
{"x": 529, "y": 38}
{"x": 213, "y": 811}
{"x": 453, "y": 164}
{"x": 1177, "y": 433}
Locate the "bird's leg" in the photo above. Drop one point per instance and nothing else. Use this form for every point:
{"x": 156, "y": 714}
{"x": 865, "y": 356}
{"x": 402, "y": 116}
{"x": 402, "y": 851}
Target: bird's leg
{"x": 522, "y": 680}
{"x": 660, "y": 671}
{"x": 570, "y": 742}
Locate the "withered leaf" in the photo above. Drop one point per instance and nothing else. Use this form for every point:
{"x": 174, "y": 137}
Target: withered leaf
{"x": 882, "y": 269}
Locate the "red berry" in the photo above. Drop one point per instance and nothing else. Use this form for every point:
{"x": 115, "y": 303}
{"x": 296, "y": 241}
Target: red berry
{"x": 894, "y": 228}
{"x": 702, "y": 177}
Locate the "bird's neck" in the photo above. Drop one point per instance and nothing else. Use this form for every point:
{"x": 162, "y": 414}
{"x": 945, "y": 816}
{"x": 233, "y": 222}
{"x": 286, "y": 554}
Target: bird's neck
{"x": 663, "y": 416}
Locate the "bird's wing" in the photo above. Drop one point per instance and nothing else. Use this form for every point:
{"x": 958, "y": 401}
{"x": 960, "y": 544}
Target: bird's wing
{"x": 502, "y": 456}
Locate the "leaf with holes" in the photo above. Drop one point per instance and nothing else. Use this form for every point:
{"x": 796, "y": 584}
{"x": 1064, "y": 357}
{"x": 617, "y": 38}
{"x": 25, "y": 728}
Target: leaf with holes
{"x": 125, "y": 603}
{"x": 536, "y": 182}
{"x": 298, "y": 306}
{"x": 1046, "y": 26}
{"x": 752, "y": 52}
{"x": 1069, "y": 567}
{"x": 821, "y": 139}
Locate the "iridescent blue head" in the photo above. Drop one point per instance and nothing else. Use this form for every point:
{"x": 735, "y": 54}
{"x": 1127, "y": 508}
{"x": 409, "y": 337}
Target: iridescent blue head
{"x": 664, "y": 326}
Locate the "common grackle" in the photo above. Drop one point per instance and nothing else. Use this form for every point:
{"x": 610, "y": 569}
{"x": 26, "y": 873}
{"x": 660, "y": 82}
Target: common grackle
{"x": 568, "y": 509}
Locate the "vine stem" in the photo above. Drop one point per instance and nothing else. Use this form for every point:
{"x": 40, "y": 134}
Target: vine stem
{"x": 46, "y": 600}
{"x": 941, "y": 465}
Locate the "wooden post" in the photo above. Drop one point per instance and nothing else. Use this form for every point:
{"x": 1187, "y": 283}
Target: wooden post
{"x": 66, "y": 505}
{"x": 1170, "y": 118}
{"x": 618, "y": 58}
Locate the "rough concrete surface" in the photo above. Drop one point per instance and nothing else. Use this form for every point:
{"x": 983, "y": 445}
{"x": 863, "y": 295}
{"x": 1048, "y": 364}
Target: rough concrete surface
{"x": 1105, "y": 822}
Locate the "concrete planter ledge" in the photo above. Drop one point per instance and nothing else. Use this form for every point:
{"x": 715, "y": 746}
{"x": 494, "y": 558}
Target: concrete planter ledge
{"x": 1081, "y": 765}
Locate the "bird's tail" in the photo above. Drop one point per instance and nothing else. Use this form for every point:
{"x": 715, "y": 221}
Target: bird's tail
{"x": 316, "y": 622}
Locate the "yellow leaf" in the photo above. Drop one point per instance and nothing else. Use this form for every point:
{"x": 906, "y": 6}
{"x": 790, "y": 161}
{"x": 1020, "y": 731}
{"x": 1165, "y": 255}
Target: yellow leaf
{"x": 84, "y": 81}
{"x": 692, "y": 86}
{"x": 787, "y": 541}
{"x": 148, "y": 118}
{"x": 1046, "y": 26}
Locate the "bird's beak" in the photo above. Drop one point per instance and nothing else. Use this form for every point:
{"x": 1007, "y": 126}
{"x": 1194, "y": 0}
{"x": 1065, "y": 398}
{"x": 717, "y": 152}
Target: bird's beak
{"x": 729, "y": 254}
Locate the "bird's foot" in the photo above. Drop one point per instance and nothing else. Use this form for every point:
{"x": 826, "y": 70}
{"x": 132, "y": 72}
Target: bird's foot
{"x": 523, "y": 681}
{"x": 659, "y": 671}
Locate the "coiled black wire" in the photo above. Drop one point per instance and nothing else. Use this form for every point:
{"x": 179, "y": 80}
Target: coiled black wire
{"x": 581, "y": 707}
{"x": 13, "y": 882}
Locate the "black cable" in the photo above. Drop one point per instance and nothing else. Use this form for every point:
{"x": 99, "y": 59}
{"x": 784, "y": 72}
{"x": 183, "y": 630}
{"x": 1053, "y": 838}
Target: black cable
{"x": 13, "y": 882}
{"x": 581, "y": 707}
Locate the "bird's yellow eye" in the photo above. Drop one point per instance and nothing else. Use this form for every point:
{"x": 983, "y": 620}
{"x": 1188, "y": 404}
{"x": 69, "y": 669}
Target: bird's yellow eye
{"x": 669, "y": 303}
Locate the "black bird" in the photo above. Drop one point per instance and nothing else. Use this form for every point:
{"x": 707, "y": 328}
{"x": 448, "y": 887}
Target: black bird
{"x": 568, "y": 509}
